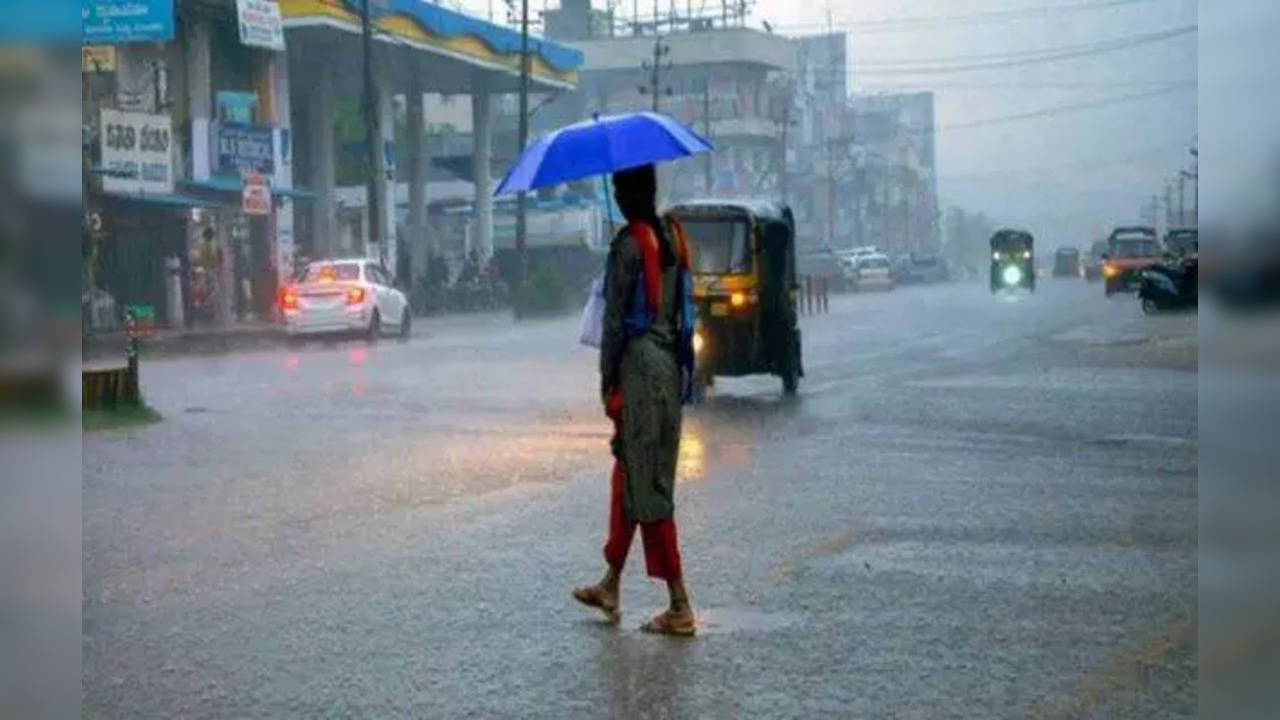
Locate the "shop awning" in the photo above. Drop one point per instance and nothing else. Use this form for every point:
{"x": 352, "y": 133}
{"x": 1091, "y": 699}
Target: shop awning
{"x": 233, "y": 184}
{"x": 172, "y": 199}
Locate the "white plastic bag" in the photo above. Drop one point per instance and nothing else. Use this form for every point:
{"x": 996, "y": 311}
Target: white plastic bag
{"x": 591, "y": 326}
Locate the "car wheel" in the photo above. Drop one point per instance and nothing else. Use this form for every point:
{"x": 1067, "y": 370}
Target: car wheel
{"x": 375, "y": 327}
{"x": 406, "y": 324}
{"x": 1149, "y": 306}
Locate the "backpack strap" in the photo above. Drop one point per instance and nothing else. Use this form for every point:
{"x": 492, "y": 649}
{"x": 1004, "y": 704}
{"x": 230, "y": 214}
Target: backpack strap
{"x": 681, "y": 240}
{"x": 648, "y": 242}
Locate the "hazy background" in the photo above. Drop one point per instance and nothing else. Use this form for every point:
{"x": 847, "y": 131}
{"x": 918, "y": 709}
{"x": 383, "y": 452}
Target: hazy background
{"x": 1069, "y": 173}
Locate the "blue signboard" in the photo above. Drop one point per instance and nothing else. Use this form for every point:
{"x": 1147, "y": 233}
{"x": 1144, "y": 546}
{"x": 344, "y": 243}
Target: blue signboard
{"x": 110, "y": 22}
{"x": 246, "y": 148}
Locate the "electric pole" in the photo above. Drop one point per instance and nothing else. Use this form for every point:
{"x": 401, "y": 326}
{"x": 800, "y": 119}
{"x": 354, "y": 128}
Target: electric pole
{"x": 655, "y": 71}
{"x": 706, "y": 127}
{"x": 521, "y": 220}
{"x": 371, "y": 130}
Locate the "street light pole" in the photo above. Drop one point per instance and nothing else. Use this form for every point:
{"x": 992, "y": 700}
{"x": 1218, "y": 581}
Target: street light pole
{"x": 521, "y": 226}
{"x": 371, "y": 130}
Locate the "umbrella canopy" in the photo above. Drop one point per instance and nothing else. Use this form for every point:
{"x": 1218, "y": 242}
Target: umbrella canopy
{"x": 598, "y": 146}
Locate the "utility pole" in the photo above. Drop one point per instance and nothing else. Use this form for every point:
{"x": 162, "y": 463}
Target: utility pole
{"x": 655, "y": 70}
{"x": 521, "y": 220}
{"x": 1182, "y": 199}
{"x": 706, "y": 128}
{"x": 371, "y": 130}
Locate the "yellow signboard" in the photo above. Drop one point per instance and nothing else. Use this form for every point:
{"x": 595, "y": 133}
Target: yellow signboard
{"x": 98, "y": 58}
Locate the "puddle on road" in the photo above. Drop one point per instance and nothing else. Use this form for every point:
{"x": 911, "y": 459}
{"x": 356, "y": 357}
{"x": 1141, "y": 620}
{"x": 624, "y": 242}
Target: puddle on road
{"x": 726, "y": 620}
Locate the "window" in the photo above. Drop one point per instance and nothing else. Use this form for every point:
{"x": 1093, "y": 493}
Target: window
{"x": 1134, "y": 248}
{"x": 719, "y": 246}
{"x": 329, "y": 272}
{"x": 376, "y": 275}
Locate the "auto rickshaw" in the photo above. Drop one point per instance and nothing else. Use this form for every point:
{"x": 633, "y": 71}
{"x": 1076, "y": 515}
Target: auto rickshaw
{"x": 744, "y": 289}
{"x": 1066, "y": 262}
{"x": 1013, "y": 263}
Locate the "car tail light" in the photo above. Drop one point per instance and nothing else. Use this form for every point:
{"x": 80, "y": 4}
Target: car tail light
{"x": 289, "y": 298}
{"x": 355, "y": 295}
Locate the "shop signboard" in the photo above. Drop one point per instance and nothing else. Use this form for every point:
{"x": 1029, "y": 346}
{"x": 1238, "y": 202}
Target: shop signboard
{"x": 255, "y": 195}
{"x": 260, "y": 24}
{"x": 112, "y": 22}
{"x": 246, "y": 148}
{"x": 136, "y": 153}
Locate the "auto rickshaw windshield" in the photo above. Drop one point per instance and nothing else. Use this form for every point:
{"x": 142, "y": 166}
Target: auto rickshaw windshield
{"x": 1011, "y": 242}
{"x": 721, "y": 246}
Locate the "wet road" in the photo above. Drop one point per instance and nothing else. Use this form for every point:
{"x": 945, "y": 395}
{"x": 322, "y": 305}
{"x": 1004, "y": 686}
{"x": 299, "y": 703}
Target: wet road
{"x": 976, "y": 507}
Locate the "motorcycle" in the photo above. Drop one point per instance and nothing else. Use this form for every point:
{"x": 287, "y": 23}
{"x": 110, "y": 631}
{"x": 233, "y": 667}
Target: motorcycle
{"x": 1168, "y": 287}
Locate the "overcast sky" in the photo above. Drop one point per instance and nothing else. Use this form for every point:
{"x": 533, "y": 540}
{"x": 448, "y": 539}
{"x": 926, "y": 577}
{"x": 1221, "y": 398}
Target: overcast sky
{"x": 1066, "y": 174}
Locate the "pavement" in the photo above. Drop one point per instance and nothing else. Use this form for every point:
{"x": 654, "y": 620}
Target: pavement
{"x": 977, "y": 507}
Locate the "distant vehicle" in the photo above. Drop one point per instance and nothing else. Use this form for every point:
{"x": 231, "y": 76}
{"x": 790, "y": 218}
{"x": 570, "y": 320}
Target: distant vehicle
{"x": 1093, "y": 261}
{"x": 1170, "y": 286}
{"x": 1130, "y": 250}
{"x": 823, "y": 263}
{"x": 849, "y": 259}
{"x": 921, "y": 268}
{"x": 1066, "y": 262}
{"x": 345, "y": 296}
{"x": 1013, "y": 262}
{"x": 1182, "y": 242}
{"x": 871, "y": 272}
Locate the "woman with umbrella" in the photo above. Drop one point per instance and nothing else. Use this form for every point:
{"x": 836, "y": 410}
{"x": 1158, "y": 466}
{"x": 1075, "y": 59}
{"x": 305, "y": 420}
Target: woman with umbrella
{"x": 646, "y": 351}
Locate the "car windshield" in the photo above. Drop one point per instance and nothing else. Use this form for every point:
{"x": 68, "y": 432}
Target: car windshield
{"x": 873, "y": 262}
{"x": 719, "y": 246}
{"x": 1134, "y": 247}
{"x": 329, "y": 272}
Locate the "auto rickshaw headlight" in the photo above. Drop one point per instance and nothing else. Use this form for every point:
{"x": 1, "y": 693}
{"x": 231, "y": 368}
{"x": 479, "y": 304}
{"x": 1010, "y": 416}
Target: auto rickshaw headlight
{"x": 697, "y": 343}
{"x": 995, "y": 256}
{"x": 738, "y": 299}
{"x": 1026, "y": 254}
{"x": 1011, "y": 275}
{"x": 1109, "y": 270}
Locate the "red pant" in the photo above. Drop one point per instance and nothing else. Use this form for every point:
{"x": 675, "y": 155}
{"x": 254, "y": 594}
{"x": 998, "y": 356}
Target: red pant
{"x": 661, "y": 557}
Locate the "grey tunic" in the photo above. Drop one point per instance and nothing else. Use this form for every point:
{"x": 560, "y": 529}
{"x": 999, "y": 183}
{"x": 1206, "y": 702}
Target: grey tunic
{"x": 648, "y": 373}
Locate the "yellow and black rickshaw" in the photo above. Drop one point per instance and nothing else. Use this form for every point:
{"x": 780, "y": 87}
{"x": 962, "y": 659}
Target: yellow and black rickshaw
{"x": 744, "y": 267}
{"x": 1013, "y": 262}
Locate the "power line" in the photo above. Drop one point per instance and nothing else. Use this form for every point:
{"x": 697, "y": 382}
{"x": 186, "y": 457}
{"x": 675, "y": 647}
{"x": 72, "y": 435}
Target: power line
{"x": 1046, "y": 57}
{"x": 1057, "y": 110}
{"x": 1093, "y": 47}
{"x": 904, "y": 23}
{"x": 1105, "y": 161}
{"x": 1018, "y": 86}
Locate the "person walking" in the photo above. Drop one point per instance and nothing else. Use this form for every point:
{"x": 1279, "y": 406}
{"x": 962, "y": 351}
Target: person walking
{"x": 646, "y": 374}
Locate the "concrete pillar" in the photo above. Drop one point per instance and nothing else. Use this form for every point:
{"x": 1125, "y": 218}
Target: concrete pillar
{"x": 419, "y": 243}
{"x": 320, "y": 146}
{"x": 281, "y": 119}
{"x": 385, "y": 187}
{"x": 199, "y": 95}
{"x": 481, "y": 158}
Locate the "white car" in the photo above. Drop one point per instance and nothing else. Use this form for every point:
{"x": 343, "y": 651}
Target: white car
{"x": 345, "y": 296}
{"x": 871, "y": 272}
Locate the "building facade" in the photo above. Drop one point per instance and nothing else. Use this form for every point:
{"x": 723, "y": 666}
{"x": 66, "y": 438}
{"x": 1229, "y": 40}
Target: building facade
{"x": 729, "y": 82}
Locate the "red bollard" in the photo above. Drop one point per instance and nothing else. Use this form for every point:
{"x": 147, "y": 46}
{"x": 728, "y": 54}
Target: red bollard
{"x": 825, "y": 306}
{"x": 808, "y": 294}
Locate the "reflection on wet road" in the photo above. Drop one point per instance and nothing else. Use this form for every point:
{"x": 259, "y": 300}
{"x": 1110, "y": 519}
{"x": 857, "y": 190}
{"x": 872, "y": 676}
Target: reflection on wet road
{"x": 976, "y": 506}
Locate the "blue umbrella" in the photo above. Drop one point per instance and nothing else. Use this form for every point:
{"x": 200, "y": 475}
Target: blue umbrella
{"x": 599, "y": 146}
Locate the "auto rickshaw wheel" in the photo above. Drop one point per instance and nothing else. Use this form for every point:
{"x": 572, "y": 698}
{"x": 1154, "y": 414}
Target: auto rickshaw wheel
{"x": 790, "y": 381}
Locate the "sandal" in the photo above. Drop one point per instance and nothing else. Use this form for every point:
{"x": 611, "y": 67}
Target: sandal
{"x": 594, "y": 596}
{"x": 668, "y": 622}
